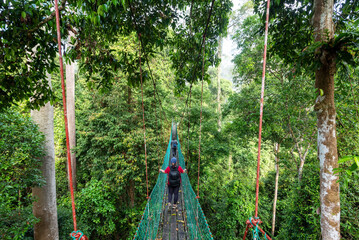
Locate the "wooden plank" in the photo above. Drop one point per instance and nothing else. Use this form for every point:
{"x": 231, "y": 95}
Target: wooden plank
{"x": 180, "y": 217}
{"x": 166, "y": 219}
{"x": 173, "y": 233}
{"x": 180, "y": 204}
{"x": 173, "y": 224}
{"x": 180, "y": 225}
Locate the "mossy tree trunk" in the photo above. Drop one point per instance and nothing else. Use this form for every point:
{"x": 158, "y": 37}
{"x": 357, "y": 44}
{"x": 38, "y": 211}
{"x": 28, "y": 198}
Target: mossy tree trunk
{"x": 326, "y": 122}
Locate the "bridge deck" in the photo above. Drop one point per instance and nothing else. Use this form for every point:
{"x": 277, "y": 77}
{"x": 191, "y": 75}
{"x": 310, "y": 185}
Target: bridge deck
{"x": 173, "y": 221}
{"x": 173, "y": 224}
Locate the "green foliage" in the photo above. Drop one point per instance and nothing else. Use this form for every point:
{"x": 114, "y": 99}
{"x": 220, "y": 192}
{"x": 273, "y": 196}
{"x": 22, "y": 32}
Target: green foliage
{"x": 349, "y": 198}
{"x": 28, "y": 48}
{"x": 21, "y": 147}
{"x": 96, "y": 207}
{"x": 110, "y": 151}
{"x": 248, "y": 63}
{"x": 353, "y": 162}
{"x": 289, "y": 118}
{"x": 291, "y": 25}
{"x": 27, "y": 52}
{"x": 64, "y": 217}
{"x": 229, "y": 189}
{"x": 347, "y": 117}
{"x": 297, "y": 208}
{"x": 188, "y": 41}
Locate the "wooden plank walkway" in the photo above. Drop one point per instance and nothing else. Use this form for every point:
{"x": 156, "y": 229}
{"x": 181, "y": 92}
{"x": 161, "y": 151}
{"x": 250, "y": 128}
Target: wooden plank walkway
{"x": 173, "y": 223}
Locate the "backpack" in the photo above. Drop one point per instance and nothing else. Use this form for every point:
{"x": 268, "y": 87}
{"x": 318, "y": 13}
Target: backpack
{"x": 174, "y": 144}
{"x": 174, "y": 177}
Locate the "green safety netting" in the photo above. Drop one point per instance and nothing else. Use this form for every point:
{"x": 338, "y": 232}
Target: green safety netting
{"x": 148, "y": 227}
{"x": 195, "y": 220}
{"x": 255, "y": 231}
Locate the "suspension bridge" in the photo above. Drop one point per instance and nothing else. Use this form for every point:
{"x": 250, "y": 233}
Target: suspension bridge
{"x": 159, "y": 221}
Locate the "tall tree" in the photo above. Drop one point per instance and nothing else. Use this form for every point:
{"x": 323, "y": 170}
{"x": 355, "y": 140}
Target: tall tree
{"x": 219, "y": 83}
{"x": 320, "y": 39}
{"x": 276, "y": 152}
{"x": 70, "y": 102}
{"x": 326, "y": 121}
{"x": 45, "y": 207}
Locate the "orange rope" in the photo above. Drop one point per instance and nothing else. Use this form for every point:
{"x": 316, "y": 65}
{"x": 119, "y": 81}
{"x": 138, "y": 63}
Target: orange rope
{"x": 76, "y": 234}
{"x": 65, "y": 114}
{"x": 256, "y": 220}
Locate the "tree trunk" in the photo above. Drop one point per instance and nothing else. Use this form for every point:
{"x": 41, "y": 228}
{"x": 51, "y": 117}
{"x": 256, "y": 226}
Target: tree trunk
{"x": 276, "y": 152}
{"x": 300, "y": 170}
{"x": 302, "y": 158}
{"x": 70, "y": 102}
{"x": 219, "y": 84}
{"x": 326, "y": 122}
{"x": 302, "y": 155}
{"x": 230, "y": 162}
{"x": 45, "y": 207}
{"x": 132, "y": 193}
{"x": 129, "y": 98}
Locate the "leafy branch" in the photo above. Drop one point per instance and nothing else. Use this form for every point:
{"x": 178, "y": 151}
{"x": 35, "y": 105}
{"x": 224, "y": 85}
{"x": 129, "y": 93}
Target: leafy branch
{"x": 49, "y": 18}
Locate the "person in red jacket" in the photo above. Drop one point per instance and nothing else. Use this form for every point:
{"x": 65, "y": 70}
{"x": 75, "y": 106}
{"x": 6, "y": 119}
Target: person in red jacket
{"x": 174, "y": 181}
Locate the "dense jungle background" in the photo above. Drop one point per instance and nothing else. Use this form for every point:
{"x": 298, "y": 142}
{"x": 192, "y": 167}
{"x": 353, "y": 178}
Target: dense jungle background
{"x": 110, "y": 172}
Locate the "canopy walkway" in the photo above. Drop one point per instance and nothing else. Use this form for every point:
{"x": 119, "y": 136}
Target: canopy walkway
{"x": 187, "y": 221}
{"x": 158, "y": 221}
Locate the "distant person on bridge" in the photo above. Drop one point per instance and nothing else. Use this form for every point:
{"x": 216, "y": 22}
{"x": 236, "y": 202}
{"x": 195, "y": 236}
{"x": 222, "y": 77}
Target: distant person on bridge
{"x": 174, "y": 181}
{"x": 174, "y": 147}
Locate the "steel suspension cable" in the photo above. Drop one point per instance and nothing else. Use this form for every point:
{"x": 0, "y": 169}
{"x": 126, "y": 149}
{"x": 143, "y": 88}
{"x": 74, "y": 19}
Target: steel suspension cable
{"x": 188, "y": 117}
{"x": 200, "y": 118}
{"x": 159, "y": 101}
{"x": 143, "y": 108}
{"x": 186, "y": 106}
{"x": 256, "y": 221}
{"x": 75, "y": 232}
{"x": 158, "y": 147}
{"x": 148, "y": 65}
{"x": 202, "y": 44}
{"x": 200, "y": 126}
{"x": 155, "y": 88}
{"x": 155, "y": 105}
